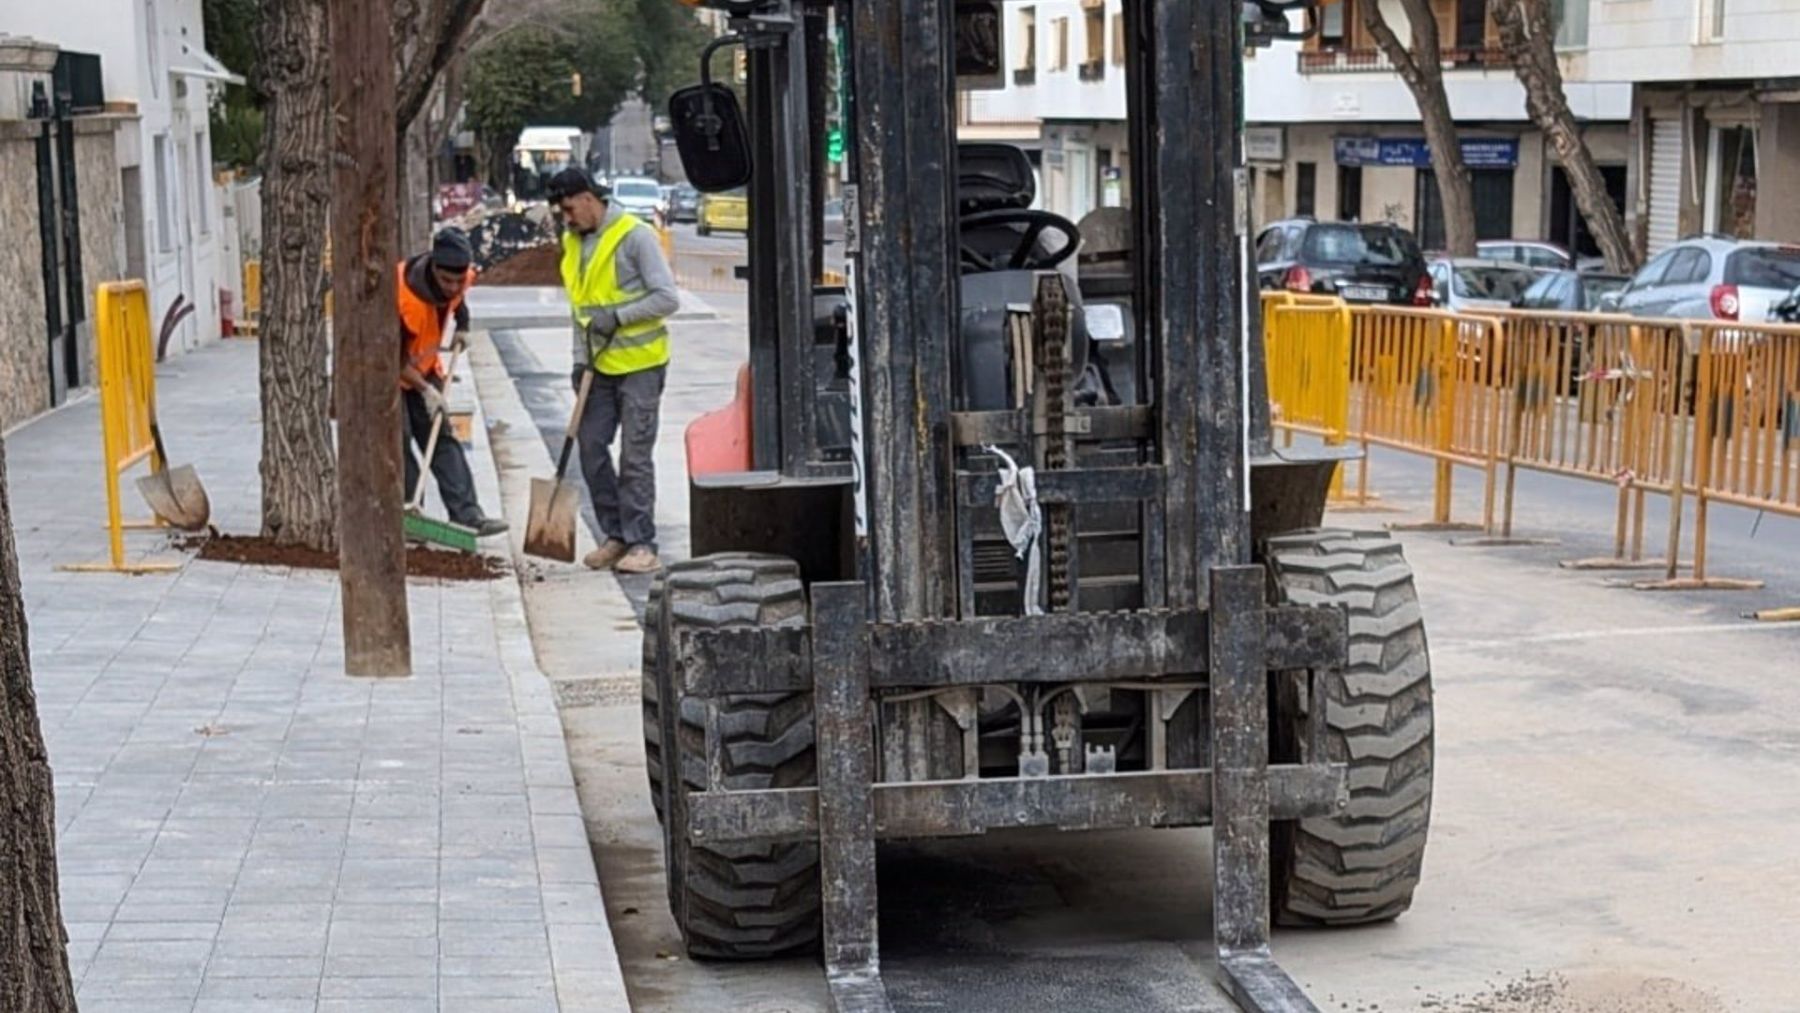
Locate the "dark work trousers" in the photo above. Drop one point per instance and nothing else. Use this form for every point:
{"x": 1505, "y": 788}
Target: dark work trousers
{"x": 628, "y": 407}
{"x": 451, "y": 469}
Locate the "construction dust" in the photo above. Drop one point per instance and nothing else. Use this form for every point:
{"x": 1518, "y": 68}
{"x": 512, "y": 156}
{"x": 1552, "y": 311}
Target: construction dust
{"x": 420, "y": 562}
{"x": 1609, "y": 992}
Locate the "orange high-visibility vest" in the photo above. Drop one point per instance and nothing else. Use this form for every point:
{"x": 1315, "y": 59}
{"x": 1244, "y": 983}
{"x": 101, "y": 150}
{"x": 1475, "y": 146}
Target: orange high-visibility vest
{"x": 423, "y": 329}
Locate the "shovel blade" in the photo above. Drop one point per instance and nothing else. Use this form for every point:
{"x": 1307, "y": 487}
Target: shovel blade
{"x": 177, "y": 496}
{"x": 550, "y": 525}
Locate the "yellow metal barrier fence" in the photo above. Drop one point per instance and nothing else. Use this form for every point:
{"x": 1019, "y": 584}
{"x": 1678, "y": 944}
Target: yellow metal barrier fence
{"x": 127, "y": 365}
{"x": 1308, "y": 348}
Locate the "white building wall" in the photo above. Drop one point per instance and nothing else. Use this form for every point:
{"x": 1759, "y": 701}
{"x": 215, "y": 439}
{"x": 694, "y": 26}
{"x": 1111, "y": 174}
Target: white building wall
{"x": 1675, "y": 40}
{"x": 141, "y": 43}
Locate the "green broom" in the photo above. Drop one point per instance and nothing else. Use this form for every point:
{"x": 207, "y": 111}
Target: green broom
{"x": 420, "y": 528}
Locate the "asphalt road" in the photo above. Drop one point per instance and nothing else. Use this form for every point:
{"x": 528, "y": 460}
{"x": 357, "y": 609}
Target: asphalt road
{"x": 1616, "y": 810}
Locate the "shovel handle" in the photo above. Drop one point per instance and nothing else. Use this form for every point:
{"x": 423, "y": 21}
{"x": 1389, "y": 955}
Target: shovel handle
{"x": 437, "y": 428}
{"x": 568, "y": 447}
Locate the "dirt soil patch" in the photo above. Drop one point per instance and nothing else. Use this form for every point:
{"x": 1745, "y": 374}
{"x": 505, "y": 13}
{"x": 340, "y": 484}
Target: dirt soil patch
{"x": 420, "y": 562}
{"x": 539, "y": 266}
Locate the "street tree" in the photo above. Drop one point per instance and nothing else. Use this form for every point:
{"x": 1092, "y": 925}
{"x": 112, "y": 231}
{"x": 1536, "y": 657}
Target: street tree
{"x": 1528, "y": 31}
{"x": 1420, "y": 64}
{"x": 293, "y": 64}
{"x": 34, "y": 958}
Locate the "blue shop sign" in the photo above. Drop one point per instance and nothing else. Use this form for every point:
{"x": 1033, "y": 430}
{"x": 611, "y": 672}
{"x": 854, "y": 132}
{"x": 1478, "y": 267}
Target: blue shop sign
{"x": 1478, "y": 152}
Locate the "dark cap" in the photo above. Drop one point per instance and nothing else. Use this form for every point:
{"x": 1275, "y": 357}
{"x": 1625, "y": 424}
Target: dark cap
{"x": 572, "y": 181}
{"x": 450, "y": 250}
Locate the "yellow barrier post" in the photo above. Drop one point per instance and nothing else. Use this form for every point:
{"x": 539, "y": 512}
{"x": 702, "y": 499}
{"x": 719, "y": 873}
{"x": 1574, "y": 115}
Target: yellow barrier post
{"x": 127, "y": 366}
{"x": 252, "y": 297}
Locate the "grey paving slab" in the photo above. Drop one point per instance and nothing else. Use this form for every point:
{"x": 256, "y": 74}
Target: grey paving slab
{"x": 241, "y": 825}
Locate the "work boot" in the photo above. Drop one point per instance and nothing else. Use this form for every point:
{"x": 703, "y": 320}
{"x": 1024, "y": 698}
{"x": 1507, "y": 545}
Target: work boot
{"x": 488, "y": 527}
{"x": 641, "y": 559}
{"x": 606, "y": 556}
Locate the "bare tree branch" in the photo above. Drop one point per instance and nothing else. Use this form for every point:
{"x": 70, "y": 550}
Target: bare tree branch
{"x": 441, "y": 28}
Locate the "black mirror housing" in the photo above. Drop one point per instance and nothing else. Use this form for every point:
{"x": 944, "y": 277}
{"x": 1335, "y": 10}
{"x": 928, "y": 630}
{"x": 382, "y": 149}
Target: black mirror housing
{"x": 711, "y": 137}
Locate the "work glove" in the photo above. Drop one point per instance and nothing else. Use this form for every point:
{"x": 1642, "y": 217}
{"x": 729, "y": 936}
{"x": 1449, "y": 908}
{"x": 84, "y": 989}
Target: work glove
{"x": 434, "y": 400}
{"x": 603, "y": 323}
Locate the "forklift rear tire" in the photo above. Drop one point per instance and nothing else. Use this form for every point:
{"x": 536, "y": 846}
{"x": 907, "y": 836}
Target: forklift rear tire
{"x": 1360, "y": 866}
{"x": 738, "y": 901}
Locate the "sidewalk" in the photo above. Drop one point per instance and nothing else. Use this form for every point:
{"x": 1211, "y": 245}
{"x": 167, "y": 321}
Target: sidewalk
{"x": 243, "y": 827}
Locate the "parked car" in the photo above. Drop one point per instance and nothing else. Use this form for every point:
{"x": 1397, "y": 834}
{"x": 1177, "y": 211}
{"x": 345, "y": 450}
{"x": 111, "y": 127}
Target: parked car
{"x": 1787, "y": 311}
{"x": 1571, "y": 290}
{"x": 1712, "y": 278}
{"x": 1530, "y": 252}
{"x": 1465, "y": 284}
{"x": 1372, "y": 263}
{"x": 684, "y": 203}
{"x": 641, "y": 196}
{"x": 723, "y": 212}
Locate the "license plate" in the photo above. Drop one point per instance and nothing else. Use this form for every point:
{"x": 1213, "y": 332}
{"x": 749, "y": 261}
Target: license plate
{"x": 1371, "y": 293}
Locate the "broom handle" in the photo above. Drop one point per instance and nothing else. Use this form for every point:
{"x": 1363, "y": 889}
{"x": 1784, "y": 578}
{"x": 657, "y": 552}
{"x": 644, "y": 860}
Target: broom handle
{"x": 437, "y": 424}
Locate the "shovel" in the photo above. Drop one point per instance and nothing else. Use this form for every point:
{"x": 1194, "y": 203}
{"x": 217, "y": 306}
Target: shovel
{"x": 174, "y": 494}
{"x": 550, "y": 527}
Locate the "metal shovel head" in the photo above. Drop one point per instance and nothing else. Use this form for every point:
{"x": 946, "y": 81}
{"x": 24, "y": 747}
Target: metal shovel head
{"x": 550, "y": 525}
{"x": 177, "y": 497}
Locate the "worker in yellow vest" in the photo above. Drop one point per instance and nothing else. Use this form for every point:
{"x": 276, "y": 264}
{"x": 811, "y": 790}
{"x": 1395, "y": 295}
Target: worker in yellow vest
{"x": 622, "y": 293}
{"x": 429, "y": 292}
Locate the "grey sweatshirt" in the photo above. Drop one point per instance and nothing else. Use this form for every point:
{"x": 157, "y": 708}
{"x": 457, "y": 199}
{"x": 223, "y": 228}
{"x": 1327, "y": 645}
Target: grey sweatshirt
{"x": 641, "y": 268}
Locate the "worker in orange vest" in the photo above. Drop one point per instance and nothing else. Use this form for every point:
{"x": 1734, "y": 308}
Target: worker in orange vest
{"x": 430, "y": 290}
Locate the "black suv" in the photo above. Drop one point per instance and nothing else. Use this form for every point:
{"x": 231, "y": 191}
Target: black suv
{"x": 1377, "y": 263}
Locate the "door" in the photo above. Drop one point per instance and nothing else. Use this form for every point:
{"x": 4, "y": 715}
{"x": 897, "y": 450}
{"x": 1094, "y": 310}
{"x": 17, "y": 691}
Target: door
{"x": 1471, "y": 25}
{"x": 1664, "y": 226}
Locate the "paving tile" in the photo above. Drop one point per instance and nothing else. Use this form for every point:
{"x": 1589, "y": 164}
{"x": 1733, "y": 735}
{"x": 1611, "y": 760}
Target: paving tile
{"x": 131, "y": 958}
{"x": 378, "y": 988}
{"x": 246, "y": 990}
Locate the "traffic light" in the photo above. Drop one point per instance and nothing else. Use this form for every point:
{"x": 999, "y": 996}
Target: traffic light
{"x": 834, "y": 145}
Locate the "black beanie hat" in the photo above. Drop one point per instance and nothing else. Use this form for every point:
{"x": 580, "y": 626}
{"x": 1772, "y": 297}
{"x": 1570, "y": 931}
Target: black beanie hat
{"x": 451, "y": 250}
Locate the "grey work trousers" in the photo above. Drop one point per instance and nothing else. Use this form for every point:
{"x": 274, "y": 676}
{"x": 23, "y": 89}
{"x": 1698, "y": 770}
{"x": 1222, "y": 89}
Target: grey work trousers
{"x": 456, "y": 486}
{"x": 630, "y": 408}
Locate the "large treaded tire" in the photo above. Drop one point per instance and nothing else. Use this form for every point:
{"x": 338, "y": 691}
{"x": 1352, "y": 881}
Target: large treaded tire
{"x": 742, "y": 901}
{"x": 1362, "y": 865}
{"x": 648, "y": 677}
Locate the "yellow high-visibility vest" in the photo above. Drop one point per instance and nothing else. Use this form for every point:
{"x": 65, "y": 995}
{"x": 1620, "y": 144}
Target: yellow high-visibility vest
{"x": 636, "y": 347}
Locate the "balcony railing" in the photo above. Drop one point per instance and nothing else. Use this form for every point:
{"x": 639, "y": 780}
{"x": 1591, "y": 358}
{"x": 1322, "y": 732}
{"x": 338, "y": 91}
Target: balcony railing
{"x": 1374, "y": 61}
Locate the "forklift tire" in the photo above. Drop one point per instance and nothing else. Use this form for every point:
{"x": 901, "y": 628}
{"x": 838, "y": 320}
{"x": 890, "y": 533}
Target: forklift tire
{"x": 734, "y": 901}
{"x": 647, "y": 681}
{"x": 1360, "y": 866}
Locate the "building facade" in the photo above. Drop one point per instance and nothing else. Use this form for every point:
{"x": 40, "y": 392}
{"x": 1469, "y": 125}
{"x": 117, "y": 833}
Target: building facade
{"x": 1715, "y": 113}
{"x": 151, "y": 196}
{"x": 1332, "y": 130}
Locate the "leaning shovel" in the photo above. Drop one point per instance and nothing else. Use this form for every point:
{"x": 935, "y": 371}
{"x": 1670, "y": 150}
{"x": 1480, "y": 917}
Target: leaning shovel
{"x": 550, "y": 525}
{"x": 175, "y": 494}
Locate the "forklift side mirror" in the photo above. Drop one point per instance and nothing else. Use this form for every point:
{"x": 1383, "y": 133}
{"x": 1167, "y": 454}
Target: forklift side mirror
{"x": 711, "y": 138}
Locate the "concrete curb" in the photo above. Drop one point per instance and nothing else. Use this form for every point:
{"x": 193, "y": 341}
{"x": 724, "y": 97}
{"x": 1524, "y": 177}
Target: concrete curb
{"x": 585, "y": 961}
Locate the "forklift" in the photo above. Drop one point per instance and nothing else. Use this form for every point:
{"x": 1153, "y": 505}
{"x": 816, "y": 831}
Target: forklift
{"x": 993, "y": 534}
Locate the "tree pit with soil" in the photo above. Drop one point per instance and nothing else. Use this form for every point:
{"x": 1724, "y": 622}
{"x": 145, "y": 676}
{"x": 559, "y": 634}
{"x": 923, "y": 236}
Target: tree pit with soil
{"x": 537, "y": 266}
{"x": 420, "y": 561}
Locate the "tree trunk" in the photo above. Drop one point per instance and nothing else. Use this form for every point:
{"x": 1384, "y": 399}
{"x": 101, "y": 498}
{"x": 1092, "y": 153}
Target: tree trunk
{"x": 372, "y": 558}
{"x": 415, "y": 187}
{"x": 34, "y": 957}
{"x": 299, "y": 465}
{"x": 1422, "y": 69}
{"x": 1528, "y": 31}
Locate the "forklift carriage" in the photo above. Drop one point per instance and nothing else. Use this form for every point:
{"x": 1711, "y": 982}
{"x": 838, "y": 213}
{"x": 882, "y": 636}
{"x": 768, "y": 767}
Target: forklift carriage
{"x": 994, "y": 535}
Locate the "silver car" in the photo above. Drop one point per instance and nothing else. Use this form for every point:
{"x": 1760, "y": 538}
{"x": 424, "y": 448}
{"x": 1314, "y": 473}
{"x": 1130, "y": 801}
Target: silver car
{"x": 1712, "y": 278}
{"x": 1467, "y": 284}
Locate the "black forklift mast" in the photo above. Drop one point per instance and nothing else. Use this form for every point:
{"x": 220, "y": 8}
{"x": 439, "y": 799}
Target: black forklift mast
{"x": 897, "y": 623}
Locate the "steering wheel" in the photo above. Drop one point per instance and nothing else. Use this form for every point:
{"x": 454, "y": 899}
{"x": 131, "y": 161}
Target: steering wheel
{"x": 1025, "y": 256}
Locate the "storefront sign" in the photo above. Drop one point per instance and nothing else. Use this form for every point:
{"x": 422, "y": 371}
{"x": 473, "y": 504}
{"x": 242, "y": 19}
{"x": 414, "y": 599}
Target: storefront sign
{"x": 1478, "y": 152}
{"x": 1264, "y": 144}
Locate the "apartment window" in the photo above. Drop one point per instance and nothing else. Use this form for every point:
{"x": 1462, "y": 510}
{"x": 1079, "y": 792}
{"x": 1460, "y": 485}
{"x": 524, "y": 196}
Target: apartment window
{"x": 1093, "y": 17}
{"x": 1059, "y": 43}
{"x": 1306, "y": 187}
{"x": 202, "y": 184}
{"x": 1571, "y": 23}
{"x": 1118, "y": 40}
{"x": 159, "y": 156}
{"x": 1026, "y": 70}
{"x": 1716, "y": 23}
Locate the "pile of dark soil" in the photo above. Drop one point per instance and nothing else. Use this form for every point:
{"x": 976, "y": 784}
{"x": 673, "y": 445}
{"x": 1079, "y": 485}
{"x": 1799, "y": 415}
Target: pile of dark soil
{"x": 420, "y": 562}
{"x": 539, "y": 265}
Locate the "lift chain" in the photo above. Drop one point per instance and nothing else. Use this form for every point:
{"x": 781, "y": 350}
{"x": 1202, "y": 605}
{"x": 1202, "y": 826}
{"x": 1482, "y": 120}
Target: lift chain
{"x": 1057, "y": 444}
